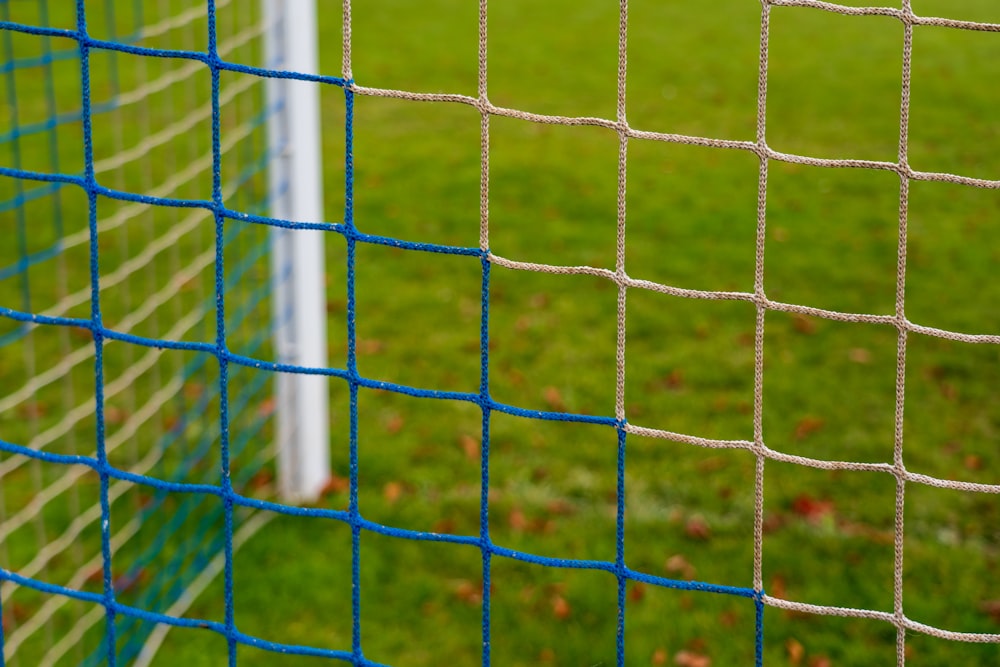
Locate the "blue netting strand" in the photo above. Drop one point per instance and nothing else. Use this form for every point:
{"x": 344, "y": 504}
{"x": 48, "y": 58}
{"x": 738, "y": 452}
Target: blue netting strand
{"x": 97, "y": 328}
{"x": 357, "y": 655}
{"x": 484, "y": 488}
{"x": 210, "y": 498}
{"x": 620, "y": 547}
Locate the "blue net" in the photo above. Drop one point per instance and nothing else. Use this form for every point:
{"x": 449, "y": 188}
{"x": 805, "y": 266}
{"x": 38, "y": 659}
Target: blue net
{"x": 155, "y": 413}
{"x": 187, "y": 504}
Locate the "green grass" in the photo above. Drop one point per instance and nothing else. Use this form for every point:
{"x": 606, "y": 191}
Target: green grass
{"x": 829, "y": 387}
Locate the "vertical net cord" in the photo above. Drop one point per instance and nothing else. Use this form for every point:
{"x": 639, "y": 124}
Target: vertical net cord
{"x": 620, "y": 570}
{"x": 897, "y": 451}
{"x": 760, "y": 310}
{"x": 486, "y": 546}
{"x": 220, "y": 341}
{"x": 97, "y": 329}
{"x": 357, "y": 655}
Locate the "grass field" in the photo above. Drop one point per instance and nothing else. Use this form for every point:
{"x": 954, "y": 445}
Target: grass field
{"x": 829, "y": 392}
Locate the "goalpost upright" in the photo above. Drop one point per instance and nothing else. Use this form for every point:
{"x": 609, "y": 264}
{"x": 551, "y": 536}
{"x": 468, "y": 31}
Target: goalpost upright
{"x": 297, "y": 256}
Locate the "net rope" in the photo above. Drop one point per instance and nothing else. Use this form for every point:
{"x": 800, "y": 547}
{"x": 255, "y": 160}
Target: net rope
{"x": 142, "y": 416}
{"x": 106, "y": 604}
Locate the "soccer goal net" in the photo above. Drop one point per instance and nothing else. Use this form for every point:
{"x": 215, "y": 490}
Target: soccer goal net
{"x": 114, "y": 148}
{"x": 599, "y": 470}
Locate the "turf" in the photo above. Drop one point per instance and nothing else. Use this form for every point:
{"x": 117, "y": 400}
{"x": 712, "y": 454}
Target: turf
{"x": 828, "y": 387}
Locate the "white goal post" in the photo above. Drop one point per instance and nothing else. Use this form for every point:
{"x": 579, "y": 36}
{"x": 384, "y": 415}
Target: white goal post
{"x": 296, "y": 183}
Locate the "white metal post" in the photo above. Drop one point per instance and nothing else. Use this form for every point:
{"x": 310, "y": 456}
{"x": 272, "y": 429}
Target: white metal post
{"x": 297, "y": 257}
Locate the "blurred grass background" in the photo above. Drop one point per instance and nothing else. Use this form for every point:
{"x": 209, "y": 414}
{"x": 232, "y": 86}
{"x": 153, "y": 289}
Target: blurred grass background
{"x": 834, "y": 87}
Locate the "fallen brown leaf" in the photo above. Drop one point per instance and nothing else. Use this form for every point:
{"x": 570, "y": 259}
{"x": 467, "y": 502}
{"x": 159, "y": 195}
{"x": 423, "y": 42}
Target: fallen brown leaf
{"x": 859, "y": 355}
{"x": 469, "y": 592}
{"x": 369, "y": 346}
{"x": 394, "y": 424}
{"x": 517, "y": 520}
{"x": 812, "y": 509}
{"x": 554, "y": 399}
{"x": 795, "y": 651}
{"x": 561, "y": 608}
{"x": 675, "y": 379}
{"x": 193, "y": 390}
{"x": 804, "y": 324}
{"x": 114, "y": 415}
{"x": 470, "y": 446}
{"x": 691, "y": 659}
{"x": 32, "y": 410}
{"x": 266, "y": 407}
{"x": 807, "y": 426}
{"x": 697, "y": 528}
{"x": 679, "y": 565}
{"x": 991, "y": 608}
{"x": 392, "y": 492}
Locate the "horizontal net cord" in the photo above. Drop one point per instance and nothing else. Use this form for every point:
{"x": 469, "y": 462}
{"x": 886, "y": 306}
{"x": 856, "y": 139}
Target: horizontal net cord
{"x": 903, "y": 623}
{"x": 905, "y": 15}
{"x": 174, "y": 130}
{"x": 161, "y": 191}
{"x": 178, "y": 74}
{"x": 63, "y": 483}
{"x": 121, "y": 537}
{"x": 246, "y": 530}
{"x": 821, "y": 464}
{"x": 760, "y": 149}
{"x": 121, "y": 435}
{"x": 86, "y": 407}
{"x": 622, "y": 279}
{"x": 138, "y": 316}
{"x": 54, "y": 603}
{"x": 85, "y": 352}
{"x": 124, "y": 99}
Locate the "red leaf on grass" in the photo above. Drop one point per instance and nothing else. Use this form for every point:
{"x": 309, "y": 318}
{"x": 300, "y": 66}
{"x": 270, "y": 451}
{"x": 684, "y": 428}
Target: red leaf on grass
{"x": 807, "y": 426}
{"x": 811, "y": 508}
{"x": 554, "y": 399}
{"x": 697, "y": 528}
{"x": 561, "y": 608}
{"x": 991, "y": 608}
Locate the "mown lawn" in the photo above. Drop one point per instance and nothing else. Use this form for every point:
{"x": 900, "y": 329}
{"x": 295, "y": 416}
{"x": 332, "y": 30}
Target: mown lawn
{"x": 829, "y": 387}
